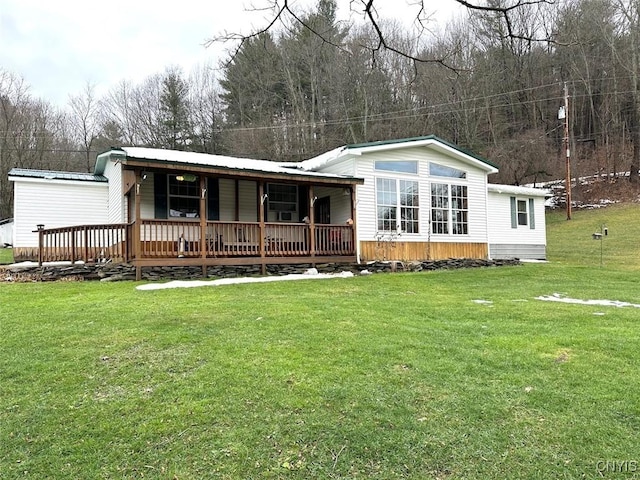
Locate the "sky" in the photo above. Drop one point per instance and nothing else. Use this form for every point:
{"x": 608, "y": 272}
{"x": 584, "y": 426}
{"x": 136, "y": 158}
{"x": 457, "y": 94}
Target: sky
{"x": 59, "y": 47}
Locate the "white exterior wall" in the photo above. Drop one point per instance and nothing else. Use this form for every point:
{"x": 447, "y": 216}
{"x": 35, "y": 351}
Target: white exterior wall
{"x": 116, "y": 202}
{"x": 340, "y": 205}
{"x": 147, "y": 198}
{"x": 248, "y": 200}
{"x": 6, "y": 233}
{"x": 520, "y": 242}
{"x": 227, "y": 188}
{"x": 56, "y": 203}
{"x": 475, "y": 182}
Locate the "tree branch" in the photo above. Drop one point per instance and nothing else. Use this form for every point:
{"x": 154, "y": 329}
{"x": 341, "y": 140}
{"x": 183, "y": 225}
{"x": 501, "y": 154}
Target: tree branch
{"x": 284, "y": 11}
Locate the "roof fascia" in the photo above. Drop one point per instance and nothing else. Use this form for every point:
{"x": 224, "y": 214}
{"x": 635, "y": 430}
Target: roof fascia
{"x": 114, "y": 154}
{"x": 56, "y": 181}
{"x": 240, "y": 172}
{"x": 429, "y": 141}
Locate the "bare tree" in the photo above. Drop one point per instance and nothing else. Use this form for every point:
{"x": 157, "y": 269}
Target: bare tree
{"x": 84, "y": 120}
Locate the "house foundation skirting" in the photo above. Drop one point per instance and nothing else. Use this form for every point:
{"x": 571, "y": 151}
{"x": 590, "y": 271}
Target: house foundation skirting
{"x": 418, "y": 251}
{"x": 123, "y": 271}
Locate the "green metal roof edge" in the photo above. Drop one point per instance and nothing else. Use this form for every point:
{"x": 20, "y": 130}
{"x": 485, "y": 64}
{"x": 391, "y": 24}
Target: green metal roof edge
{"x": 104, "y": 157}
{"x": 426, "y": 137}
{"x": 57, "y": 175}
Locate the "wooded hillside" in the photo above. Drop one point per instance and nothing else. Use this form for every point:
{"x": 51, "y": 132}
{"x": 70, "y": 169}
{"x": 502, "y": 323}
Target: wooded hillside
{"x": 307, "y": 86}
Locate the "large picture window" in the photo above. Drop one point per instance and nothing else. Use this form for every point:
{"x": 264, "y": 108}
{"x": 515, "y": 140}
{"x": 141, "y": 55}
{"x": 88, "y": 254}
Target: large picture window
{"x": 449, "y": 209}
{"x": 395, "y": 196}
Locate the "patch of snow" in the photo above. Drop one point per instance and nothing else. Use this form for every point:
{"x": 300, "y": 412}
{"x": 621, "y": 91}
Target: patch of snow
{"x": 232, "y": 281}
{"x": 35, "y": 264}
{"x": 557, "y": 297}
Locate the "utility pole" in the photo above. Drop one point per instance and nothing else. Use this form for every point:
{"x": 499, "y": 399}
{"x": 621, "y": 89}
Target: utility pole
{"x": 563, "y": 113}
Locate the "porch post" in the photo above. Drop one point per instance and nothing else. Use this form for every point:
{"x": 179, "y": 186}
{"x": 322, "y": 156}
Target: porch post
{"x": 203, "y": 224}
{"x": 137, "y": 246}
{"x": 312, "y": 223}
{"x": 352, "y": 188}
{"x": 40, "y": 230}
{"x": 261, "y": 200}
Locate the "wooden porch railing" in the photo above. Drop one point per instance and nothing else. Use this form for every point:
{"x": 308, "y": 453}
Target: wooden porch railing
{"x": 88, "y": 243}
{"x": 183, "y": 239}
{"x": 165, "y": 238}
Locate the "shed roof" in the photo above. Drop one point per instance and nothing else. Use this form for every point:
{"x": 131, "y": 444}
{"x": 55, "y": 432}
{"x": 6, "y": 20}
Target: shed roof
{"x": 517, "y": 190}
{"x": 54, "y": 175}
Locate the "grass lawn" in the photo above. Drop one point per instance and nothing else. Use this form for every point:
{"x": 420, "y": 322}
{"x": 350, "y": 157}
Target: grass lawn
{"x": 449, "y": 374}
{"x": 6, "y": 256}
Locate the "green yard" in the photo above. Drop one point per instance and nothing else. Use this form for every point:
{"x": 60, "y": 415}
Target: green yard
{"x": 449, "y": 374}
{"x": 6, "y": 256}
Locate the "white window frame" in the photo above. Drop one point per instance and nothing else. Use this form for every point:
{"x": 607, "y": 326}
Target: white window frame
{"x": 397, "y": 207}
{"x": 522, "y": 212}
{"x": 449, "y": 213}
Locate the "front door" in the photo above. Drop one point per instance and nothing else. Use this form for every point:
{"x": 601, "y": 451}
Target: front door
{"x": 322, "y": 212}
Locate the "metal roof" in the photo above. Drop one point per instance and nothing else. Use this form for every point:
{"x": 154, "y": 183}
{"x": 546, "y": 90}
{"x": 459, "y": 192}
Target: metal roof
{"x": 176, "y": 157}
{"x": 53, "y": 175}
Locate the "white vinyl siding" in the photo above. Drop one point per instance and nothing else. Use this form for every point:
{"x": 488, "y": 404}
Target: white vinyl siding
{"x": 248, "y": 196}
{"x": 147, "y": 198}
{"x": 56, "y": 203}
{"x": 117, "y": 202}
{"x": 227, "y": 188}
{"x": 524, "y": 241}
{"x": 476, "y": 183}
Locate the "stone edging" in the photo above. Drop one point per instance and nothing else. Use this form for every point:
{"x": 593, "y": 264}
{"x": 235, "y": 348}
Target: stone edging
{"x": 116, "y": 272}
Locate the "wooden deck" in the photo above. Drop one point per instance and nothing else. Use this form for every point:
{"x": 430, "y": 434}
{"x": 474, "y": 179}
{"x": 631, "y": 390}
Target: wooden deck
{"x": 173, "y": 243}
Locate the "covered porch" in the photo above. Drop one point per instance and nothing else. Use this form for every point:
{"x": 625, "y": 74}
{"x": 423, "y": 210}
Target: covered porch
{"x": 205, "y": 215}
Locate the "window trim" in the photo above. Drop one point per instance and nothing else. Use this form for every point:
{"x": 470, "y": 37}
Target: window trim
{"x": 530, "y": 215}
{"x": 397, "y": 207}
{"x": 453, "y": 218}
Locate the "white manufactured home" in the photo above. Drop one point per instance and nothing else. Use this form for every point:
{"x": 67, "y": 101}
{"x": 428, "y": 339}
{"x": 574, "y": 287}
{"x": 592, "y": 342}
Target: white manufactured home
{"x": 409, "y": 199}
{"x": 424, "y": 198}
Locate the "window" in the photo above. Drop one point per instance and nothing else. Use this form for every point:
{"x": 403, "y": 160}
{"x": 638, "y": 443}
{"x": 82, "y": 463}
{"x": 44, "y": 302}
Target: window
{"x": 408, "y": 166}
{"x": 522, "y": 212}
{"x": 437, "y": 170}
{"x": 439, "y": 208}
{"x": 184, "y": 196}
{"x": 393, "y": 196}
{"x": 459, "y": 210}
{"x": 409, "y": 206}
{"x": 282, "y": 198}
{"x": 449, "y": 209}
